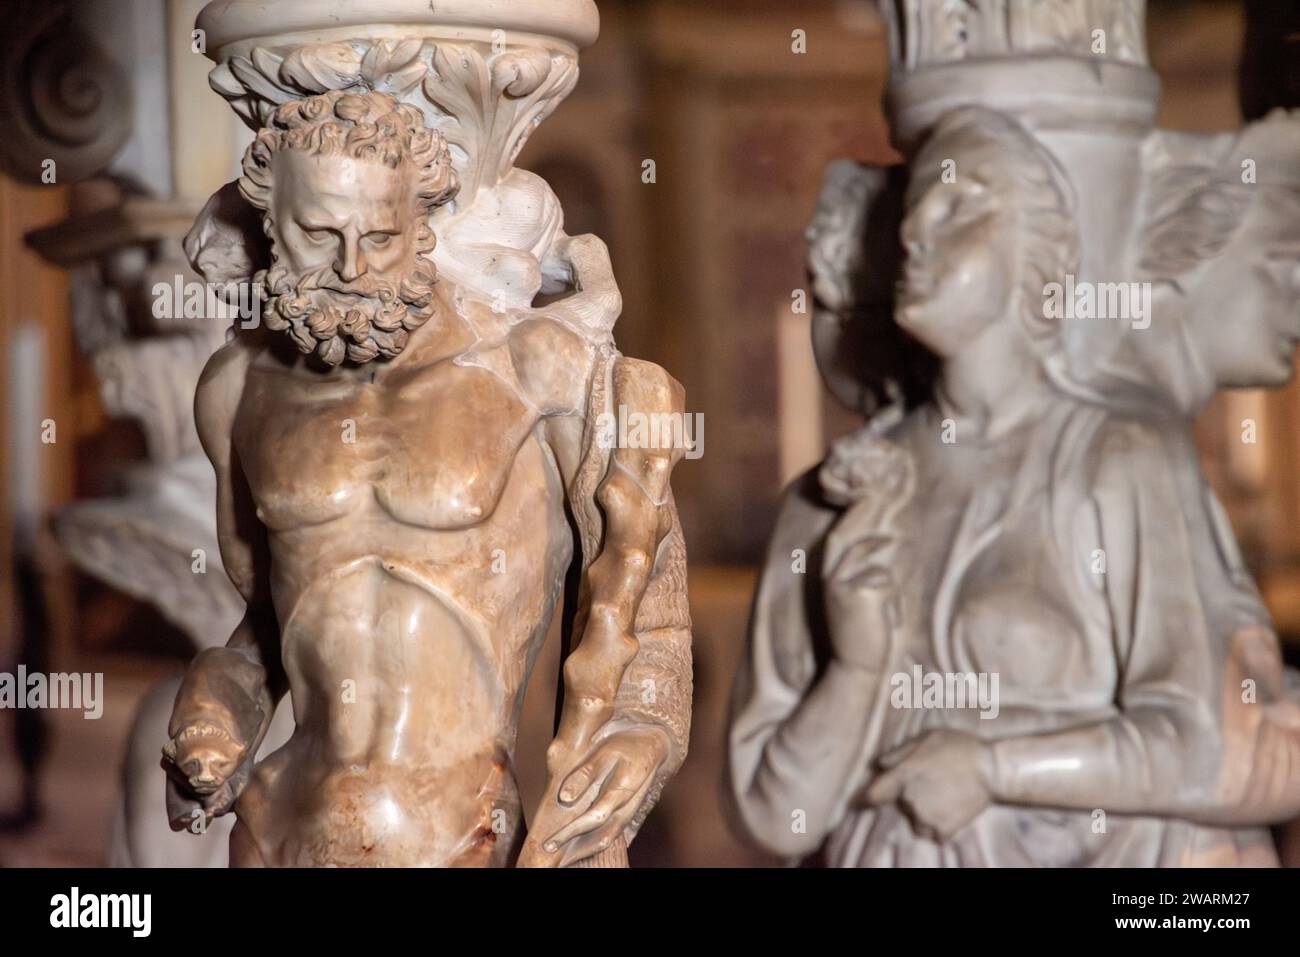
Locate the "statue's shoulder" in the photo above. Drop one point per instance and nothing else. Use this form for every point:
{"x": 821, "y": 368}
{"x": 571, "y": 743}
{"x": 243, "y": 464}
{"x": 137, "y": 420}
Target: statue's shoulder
{"x": 221, "y": 384}
{"x": 1120, "y": 461}
{"x": 230, "y": 363}
{"x": 553, "y": 362}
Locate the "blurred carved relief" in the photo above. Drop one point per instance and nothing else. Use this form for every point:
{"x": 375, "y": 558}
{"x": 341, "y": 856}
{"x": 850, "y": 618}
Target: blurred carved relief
{"x": 64, "y": 99}
{"x": 70, "y": 98}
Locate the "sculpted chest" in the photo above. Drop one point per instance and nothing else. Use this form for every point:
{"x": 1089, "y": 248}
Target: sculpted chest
{"x": 431, "y": 447}
{"x": 991, "y": 599}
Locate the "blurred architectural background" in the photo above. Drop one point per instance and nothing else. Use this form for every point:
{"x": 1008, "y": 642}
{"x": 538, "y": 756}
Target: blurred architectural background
{"x": 739, "y": 127}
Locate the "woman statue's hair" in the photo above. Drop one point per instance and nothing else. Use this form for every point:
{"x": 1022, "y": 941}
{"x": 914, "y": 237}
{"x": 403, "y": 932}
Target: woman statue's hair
{"x": 855, "y": 334}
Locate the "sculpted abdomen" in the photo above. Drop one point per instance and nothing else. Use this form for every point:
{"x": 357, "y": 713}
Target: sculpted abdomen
{"x": 389, "y": 668}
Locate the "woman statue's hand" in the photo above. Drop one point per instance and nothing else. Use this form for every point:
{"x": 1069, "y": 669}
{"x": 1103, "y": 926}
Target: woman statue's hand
{"x": 940, "y": 779}
{"x": 873, "y": 478}
{"x": 862, "y": 601}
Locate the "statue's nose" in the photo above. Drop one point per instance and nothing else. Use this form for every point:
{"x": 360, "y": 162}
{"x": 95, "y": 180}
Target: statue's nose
{"x": 351, "y": 264}
{"x": 200, "y": 771}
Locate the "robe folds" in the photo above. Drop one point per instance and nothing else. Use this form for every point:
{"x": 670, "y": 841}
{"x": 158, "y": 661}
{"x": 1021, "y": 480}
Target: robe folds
{"x": 1085, "y": 561}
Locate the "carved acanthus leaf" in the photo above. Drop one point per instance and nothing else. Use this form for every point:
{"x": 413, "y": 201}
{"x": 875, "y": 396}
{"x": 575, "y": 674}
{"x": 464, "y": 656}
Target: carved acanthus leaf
{"x": 327, "y": 66}
{"x": 484, "y": 102}
{"x": 495, "y": 101}
{"x": 521, "y": 72}
{"x": 394, "y": 66}
{"x": 458, "y": 86}
{"x": 552, "y": 86}
{"x": 258, "y": 83}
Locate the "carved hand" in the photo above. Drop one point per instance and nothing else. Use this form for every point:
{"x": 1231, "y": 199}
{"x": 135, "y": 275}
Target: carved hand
{"x": 942, "y": 780}
{"x": 605, "y": 791}
{"x": 861, "y": 588}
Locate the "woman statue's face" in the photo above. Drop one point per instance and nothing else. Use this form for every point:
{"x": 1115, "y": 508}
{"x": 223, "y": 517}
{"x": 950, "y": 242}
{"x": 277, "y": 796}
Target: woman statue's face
{"x": 961, "y": 246}
{"x": 1245, "y": 304}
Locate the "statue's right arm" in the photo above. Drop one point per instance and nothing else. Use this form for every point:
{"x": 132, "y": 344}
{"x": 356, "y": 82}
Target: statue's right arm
{"x": 799, "y": 714}
{"x": 229, "y": 693}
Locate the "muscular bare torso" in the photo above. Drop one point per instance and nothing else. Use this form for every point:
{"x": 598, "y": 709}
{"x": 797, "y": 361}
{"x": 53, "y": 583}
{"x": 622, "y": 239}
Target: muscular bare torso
{"x": 418, "y": 543}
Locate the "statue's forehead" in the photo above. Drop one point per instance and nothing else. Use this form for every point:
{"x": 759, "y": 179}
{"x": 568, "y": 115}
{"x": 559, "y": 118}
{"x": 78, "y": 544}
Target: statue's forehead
{"x": 302, "y": 177}
{"x": 982, "y": 158}
{"x": 963, "y": 166}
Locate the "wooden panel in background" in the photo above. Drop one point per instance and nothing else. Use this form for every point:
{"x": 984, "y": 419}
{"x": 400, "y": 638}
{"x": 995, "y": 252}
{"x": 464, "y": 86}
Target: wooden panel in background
{"x": 33, "y": 292}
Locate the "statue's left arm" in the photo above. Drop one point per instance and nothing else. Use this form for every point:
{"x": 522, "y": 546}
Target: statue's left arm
{"x": 625, "y": 722}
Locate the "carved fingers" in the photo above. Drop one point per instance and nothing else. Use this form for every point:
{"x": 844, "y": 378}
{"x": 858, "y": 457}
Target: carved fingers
{"x": 1260, "y": 763}
{"x": 606, "y": 791}
{"x": 874, "y": 479}
{"x": 862, "y": 603}
{"x": 941, "y": 780}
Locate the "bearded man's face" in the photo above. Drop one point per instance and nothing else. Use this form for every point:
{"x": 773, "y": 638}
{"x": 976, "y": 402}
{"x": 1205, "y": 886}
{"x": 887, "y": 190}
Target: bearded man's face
{"x": 348, "y": 280}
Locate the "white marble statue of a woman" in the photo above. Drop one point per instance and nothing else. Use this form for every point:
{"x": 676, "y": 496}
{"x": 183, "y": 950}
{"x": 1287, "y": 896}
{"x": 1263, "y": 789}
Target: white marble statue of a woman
{"x": 1045, "y": 553}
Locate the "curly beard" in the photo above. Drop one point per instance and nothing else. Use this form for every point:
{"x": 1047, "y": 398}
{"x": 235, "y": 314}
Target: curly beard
{"x": 360, "y": 320}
